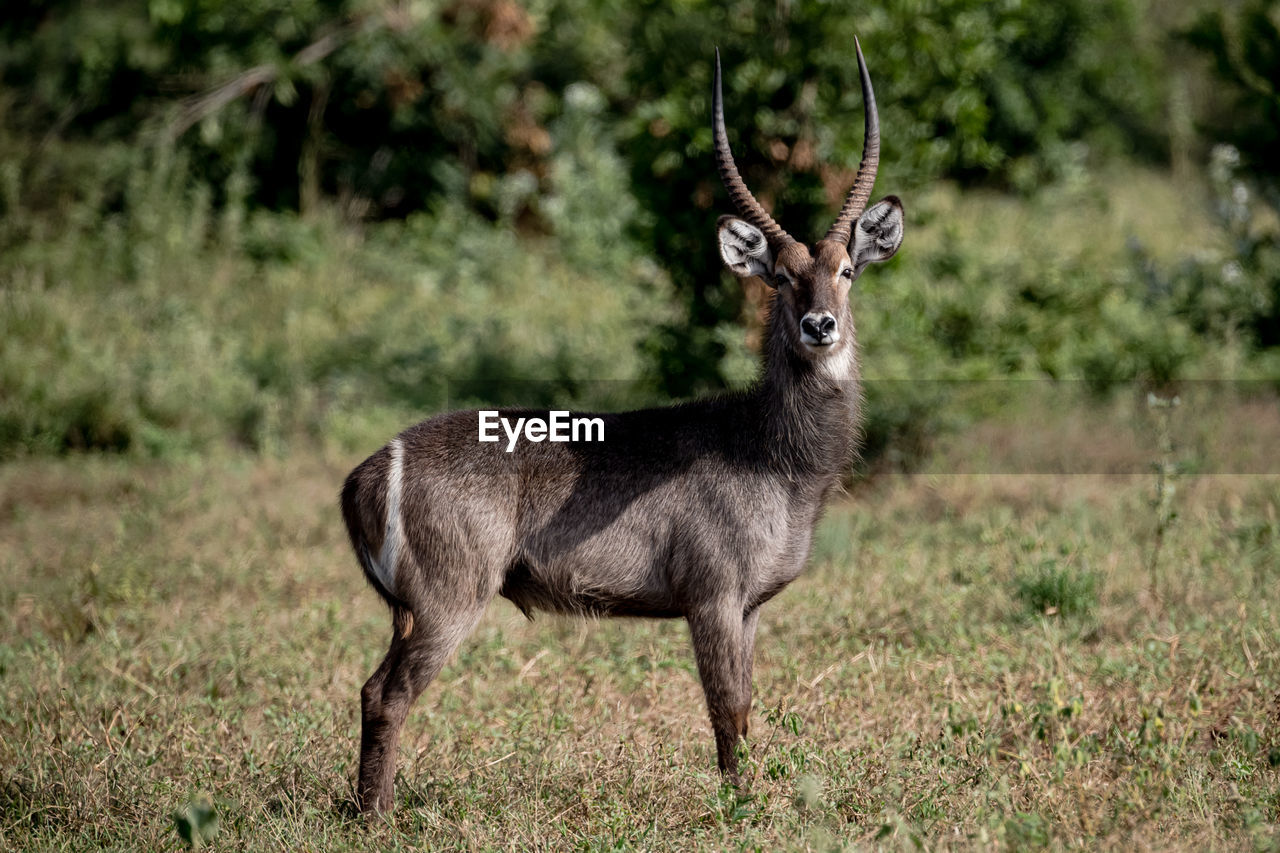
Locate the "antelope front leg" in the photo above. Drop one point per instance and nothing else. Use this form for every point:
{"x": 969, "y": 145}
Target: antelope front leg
{"x": 718, "y": 647}
{"x": 749, "y": 624}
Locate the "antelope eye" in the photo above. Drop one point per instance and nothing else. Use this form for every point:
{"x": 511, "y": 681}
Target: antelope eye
{"x": 847, "y": 272}
{"x": 779, "y": 279}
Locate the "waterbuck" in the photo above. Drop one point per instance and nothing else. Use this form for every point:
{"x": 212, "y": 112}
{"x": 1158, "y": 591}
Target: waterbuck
{"x": 702, "y": 511}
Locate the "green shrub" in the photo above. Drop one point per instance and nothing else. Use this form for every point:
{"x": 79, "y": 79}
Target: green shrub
{"x": 516, "y": 204}
{"x": 403, "y": 108}
{"x": 156, "y": 329}
{"x": 1054, "y": 588}
{"x": 1235, "y": 291}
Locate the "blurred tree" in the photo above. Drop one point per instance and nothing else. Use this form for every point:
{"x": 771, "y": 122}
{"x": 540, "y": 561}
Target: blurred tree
{"x": 391, "y": 106}
{"x": 1244, "y": 44}
{"x": 1243, "y": 291}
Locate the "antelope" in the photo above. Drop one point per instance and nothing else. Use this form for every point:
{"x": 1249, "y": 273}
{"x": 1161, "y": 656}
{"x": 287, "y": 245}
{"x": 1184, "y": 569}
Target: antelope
{"x": 702, "y": 511}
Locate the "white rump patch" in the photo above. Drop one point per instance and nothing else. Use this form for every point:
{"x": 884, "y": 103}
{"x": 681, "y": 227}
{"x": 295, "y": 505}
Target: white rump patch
{"x": 385, "y": 566}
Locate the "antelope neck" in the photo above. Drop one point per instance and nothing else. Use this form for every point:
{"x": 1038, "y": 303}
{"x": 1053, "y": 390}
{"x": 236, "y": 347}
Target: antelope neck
{"x": 810, "y": 406}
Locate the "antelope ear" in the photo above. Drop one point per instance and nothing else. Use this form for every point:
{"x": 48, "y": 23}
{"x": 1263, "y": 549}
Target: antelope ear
{"x": 744, "y": 249}
{"x": 877, "y": 235}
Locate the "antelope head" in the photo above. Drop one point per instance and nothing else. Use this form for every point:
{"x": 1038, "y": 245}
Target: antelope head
{"x": 812, "y": 284}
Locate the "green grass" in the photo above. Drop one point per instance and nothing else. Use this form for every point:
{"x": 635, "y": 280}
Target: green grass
{"x": 1051, "y": 588}
{"x": 188, "y": 634}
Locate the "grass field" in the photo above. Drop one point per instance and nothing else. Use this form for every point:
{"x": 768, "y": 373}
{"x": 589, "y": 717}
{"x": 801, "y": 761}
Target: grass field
{"x": 972, "y": 662}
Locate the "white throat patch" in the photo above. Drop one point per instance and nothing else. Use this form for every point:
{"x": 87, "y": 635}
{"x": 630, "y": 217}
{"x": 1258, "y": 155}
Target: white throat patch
{"x": 839, "y": 365}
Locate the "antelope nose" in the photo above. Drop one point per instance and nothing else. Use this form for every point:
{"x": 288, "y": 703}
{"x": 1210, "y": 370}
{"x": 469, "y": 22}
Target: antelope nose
{"x": 819, "y": 328}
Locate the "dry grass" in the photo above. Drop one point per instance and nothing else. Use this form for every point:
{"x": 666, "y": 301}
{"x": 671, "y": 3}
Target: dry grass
{"x": 198, "y": 629}
{"x": 1046, "y": 427}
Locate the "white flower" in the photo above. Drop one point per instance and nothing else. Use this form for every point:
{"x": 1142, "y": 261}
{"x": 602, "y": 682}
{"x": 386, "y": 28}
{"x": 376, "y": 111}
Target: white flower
{"x": 583, "y": 96}
{"x": 1227, "y": 155}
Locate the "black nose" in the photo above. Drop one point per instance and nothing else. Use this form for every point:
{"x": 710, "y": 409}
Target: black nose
{"x": 818, "y": 327}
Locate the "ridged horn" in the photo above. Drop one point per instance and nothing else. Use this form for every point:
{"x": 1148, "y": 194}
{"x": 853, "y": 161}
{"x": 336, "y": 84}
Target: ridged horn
{"x": 743, "y": 200}
{"x": 860, "y": 193}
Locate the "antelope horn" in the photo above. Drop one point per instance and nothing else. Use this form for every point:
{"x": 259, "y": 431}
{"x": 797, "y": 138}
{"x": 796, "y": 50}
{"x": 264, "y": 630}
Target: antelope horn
{"x": 860, "y": 194}
{"x": 743, "y": 200}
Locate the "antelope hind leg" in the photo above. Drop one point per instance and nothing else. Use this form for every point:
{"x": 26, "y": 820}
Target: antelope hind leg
{"x": 410, "y": 665}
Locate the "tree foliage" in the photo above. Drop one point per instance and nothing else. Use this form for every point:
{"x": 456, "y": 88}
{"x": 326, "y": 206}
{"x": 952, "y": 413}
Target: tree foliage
{"x": 294, "y": 208}
{"x": 1244, "y": 46}
{"x": 391, "y": 107}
